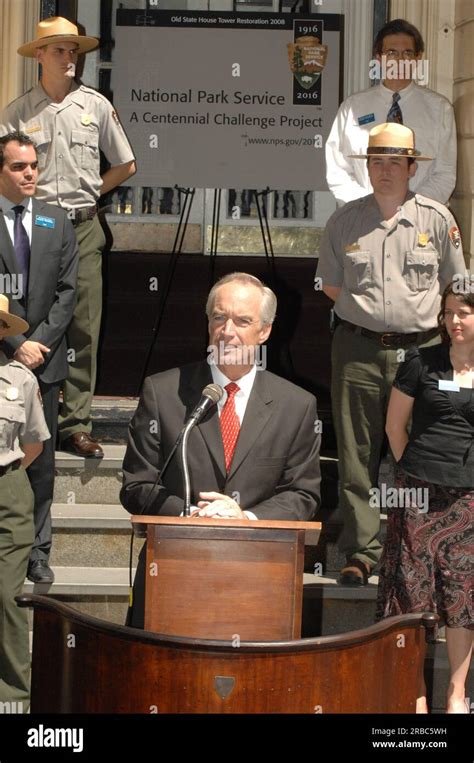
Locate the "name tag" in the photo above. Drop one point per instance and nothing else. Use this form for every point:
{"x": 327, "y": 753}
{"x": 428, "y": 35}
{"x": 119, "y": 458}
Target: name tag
{"x": 448, "y": 386}
{"x": 366, "y": 119}
{"x": 45, "y": 222}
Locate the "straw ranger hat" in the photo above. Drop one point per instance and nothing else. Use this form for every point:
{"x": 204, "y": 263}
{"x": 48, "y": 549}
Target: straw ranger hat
{"x": 15, "y": 324}
{"x": 57, "y": 29}
{"x": 391, "y": 139}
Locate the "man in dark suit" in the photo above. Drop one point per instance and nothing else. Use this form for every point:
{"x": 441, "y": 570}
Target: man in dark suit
{"x": 253, "y": 456}
{"x": 38, "y": 268}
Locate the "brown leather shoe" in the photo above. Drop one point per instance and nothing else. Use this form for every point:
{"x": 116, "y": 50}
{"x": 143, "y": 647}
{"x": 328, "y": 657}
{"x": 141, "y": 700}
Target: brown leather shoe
{"x": 356, "y": 572}
{"x": 82, "y": 444}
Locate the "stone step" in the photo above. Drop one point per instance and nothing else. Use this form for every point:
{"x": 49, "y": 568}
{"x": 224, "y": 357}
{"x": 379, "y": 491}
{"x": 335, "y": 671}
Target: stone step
{"x": 111, "y": 417}
{"x": 99, "y": 591}
{"x": 89, "y": 480}
{"x": 89, "y": 516}
{"x": 92, "y": 535}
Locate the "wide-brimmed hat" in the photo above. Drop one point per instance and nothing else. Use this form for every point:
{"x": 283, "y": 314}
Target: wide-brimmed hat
{"x": 391, "y": 139}
{"x": 58, "y": 29}
{"x": 15, "y": 324}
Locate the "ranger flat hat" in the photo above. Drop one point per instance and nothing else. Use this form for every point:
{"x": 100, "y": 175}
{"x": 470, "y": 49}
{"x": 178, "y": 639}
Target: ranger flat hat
{"x": 15, "y": 325}
{"x": 58, "y": 29}
{"x": 391, "y": 139}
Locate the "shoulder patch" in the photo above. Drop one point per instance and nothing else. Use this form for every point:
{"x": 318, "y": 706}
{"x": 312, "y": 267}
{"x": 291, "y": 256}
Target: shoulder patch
{"x": 455, "y": 236}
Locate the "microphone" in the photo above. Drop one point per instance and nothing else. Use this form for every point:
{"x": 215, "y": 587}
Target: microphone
{"x": 210, "y": 396}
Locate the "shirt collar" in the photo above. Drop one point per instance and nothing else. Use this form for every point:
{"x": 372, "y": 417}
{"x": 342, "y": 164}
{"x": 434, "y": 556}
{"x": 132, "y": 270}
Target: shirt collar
{"x": 40, "y": 95}
{"x": 6, "y": 205}
{"x": 372, "y": 209}
{"x": 404, "y": 92}
{"x": 4, "y": 366}
{"x": 407, "y": 210}
{"x": 245, "y": 383}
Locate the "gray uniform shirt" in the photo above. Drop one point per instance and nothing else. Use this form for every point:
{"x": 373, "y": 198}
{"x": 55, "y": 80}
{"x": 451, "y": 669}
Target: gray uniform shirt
{"x": 68, "y": 136}
{"x": 21, "y": 410}
{"x": 391, "y": 275}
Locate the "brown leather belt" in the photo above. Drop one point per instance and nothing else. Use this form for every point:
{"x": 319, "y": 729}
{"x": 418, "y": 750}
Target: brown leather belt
{"x": 83, "y": 214}
{"x": 10, "y": 467}
{"x": 390, "y": 338}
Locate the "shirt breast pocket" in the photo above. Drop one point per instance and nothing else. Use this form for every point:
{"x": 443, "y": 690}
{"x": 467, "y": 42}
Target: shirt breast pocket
{"x": 12, "y": 420}
{"x": 42, "y": 139}
{"x": 85, "y": 148}
{"x": 421, "y": 269}
{"x": 358, "y": 272}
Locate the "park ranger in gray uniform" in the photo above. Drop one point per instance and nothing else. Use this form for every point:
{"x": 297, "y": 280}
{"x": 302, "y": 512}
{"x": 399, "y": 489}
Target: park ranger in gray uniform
{"x": 69, "y": 123}
{"x": 384, "y": 259}
{"x": 22, "y": 432}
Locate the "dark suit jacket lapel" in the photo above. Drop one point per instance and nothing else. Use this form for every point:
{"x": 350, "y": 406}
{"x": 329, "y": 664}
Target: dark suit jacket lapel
{"x": 208, "y": 428}
{"x": 41, "y": 241}
{"x": 257, "y": 416}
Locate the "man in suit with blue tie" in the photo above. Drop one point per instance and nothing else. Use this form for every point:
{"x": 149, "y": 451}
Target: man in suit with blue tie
{"x": 38, "y": 268}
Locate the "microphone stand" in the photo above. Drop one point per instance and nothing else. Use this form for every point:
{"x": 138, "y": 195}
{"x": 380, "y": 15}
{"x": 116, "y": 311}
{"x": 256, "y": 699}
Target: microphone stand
{"x": 184, "y": 463}
{"x": 212, "y": 393}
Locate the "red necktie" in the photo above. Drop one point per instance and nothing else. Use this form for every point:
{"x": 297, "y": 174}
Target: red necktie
{"x": 230, "y": 424}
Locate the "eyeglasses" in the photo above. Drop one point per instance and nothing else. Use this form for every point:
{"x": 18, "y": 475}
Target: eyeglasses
{"x": 409, "y": 54}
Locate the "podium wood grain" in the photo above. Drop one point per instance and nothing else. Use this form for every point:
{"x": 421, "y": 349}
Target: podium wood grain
{"x": 233, "y": 580}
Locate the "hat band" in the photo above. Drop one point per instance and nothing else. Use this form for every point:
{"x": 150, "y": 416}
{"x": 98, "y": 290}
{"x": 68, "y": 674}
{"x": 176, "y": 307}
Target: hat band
{"x": 57, "y": 34}
{"x": 389, "y": 150}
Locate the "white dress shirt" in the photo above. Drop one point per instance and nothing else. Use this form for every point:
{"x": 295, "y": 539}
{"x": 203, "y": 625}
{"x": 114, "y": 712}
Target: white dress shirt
{"x": 27, "y": 217}
{"x": 427, "y": 113}
{"x": 245, "y": 384}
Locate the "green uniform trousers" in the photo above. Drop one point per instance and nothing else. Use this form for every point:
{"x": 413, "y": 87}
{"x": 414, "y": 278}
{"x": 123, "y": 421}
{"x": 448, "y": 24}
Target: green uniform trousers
{"x": 16, "y": 539}
{"x": 362, "y": 375}
{"x": 83, "y": 332}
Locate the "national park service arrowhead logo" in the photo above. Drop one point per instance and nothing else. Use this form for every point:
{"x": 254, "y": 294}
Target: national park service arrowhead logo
{"x": 307, "y": 58}
{"x": 455, "y": 236}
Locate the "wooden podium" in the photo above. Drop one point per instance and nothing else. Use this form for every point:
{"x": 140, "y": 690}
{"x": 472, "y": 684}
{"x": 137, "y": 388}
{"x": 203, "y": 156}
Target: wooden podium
{"x": 235, "y": 580}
